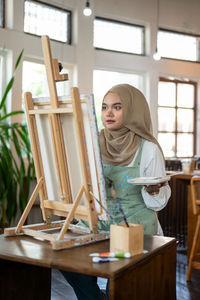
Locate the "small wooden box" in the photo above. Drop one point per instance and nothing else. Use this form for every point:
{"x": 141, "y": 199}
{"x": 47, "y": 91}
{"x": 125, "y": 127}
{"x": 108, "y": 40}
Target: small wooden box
{"x": 127, "y": 239}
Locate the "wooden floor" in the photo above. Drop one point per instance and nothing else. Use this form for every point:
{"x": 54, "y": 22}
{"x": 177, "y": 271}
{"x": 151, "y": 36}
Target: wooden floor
{"x": 186, "y": 290}
{"x": 61, "y": 290}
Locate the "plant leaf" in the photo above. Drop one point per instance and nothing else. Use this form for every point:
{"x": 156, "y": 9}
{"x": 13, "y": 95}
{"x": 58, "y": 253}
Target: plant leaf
{"x": 8, "y": 88}
{"x": 13, "y": 113}
{"x": 18, "y": 59}
{"x": 14, "y": 145}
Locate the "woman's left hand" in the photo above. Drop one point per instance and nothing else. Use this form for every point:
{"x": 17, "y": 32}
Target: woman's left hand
{"x": 155, "y": 189}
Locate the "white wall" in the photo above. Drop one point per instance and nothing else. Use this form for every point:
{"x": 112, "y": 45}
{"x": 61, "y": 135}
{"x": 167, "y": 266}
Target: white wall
{"x": 180, "y": 15}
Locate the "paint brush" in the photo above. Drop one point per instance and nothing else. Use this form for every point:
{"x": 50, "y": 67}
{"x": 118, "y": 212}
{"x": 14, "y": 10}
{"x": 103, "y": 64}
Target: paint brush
{"x": 119, "y": 205}
{"x": 107, "y": 212}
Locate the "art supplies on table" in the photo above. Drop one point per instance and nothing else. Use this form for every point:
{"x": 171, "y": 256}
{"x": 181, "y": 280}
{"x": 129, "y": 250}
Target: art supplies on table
{"x": 111, "y": 254}
{"x": 103, "y": 260}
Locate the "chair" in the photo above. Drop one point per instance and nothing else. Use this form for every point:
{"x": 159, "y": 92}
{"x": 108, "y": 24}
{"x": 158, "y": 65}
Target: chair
{"x": 195, "y": 195}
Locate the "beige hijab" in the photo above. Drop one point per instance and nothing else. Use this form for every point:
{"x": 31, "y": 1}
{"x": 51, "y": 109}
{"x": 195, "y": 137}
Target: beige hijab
{"x": 119, "y": 146}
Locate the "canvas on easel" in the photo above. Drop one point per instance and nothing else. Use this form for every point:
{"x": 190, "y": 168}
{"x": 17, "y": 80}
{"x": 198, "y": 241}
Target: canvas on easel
{"x": 64, "y": 140}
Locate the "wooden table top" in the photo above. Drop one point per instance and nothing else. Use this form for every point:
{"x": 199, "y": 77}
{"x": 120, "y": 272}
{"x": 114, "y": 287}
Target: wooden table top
{"x": 29, "y": 250}
{"x": 180, "y": 174}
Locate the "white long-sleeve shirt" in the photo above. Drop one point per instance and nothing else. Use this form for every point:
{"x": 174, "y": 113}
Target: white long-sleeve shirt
{"x": 152, "y": 165}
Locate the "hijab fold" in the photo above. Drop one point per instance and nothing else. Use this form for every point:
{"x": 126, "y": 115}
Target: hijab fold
{"x": 119, "y": 146}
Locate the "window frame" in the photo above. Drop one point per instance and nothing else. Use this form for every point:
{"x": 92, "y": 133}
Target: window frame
{"x": 182, "y": 33}
{"x": 69, "y": 21}
{"x": 124, "y": 23}
{"x": 176, "y": 132}
{"x": 3, "y": 70}
{"x": 2, "y": 13}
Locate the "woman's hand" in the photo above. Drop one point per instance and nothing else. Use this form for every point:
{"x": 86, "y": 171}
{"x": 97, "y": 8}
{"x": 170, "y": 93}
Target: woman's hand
{"x": 155, "y": 189}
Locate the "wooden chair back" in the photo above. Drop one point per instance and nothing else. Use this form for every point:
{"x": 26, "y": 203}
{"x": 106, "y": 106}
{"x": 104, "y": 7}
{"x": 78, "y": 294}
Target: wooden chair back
{"x": 195, "y": 194}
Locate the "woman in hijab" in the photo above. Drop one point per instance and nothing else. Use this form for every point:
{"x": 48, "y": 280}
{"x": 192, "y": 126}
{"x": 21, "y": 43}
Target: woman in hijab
{"x": 129, "y": 150}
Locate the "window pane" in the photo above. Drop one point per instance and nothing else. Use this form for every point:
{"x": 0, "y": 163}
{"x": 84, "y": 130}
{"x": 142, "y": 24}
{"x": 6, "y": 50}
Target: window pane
{"x": 166, "y": 119}
{"x": 177, "y": 45}
{"x": 185, "y": 119}
{"x": 118, "y": 36}
{"x": 169, "y": 146}
{"x": 1, "y": 76}
{"x": 35, "y": 81}
{"x": 185, "y": 95}
{"x": 104, "y": 80}
{"x": 166, "y": 94}
{"x": 184, "y": 145}
{"x": 41, "y": 19}
{"x": 179, "y": 119}
{"x": 2, "y": 13}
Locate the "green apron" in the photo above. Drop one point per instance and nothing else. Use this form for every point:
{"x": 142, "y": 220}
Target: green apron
{"x": 130, "y": 197}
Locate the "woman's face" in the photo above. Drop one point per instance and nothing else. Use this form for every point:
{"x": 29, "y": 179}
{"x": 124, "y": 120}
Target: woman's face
{"x": 111, "y": 114}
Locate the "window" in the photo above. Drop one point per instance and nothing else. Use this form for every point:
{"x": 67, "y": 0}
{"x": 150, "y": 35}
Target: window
{"x": 35, "y": 81}
{"x": 177, "y": 117}
{"x": 118, "y": 36}
{"x": 1, "y": 77}
{"x": 104, "y": 80}
{"x": 178, "y": 45}
{"x": 3, "y": 73}
{"x": 42, "y": 19}
{"x": 2, "y": 13}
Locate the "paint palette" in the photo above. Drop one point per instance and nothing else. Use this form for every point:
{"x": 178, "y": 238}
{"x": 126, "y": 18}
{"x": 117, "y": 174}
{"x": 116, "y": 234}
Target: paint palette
{"x": 148, "y": 180}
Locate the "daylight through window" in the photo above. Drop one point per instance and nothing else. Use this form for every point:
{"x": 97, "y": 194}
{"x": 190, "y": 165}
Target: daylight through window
{"x": 177, "y": 117}
{"x": 118, "y": 36}
{"x": 41, "y": 19}
{"x": 178, "y": 46}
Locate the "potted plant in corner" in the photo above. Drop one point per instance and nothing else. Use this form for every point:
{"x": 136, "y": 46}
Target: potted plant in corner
{"x": 15, "y": 175}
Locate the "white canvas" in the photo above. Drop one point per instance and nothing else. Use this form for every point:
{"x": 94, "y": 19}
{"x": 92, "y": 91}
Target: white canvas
{"x": 71, "y": 147}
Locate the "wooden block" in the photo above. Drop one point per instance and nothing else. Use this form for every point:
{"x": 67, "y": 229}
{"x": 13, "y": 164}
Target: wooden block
{"x": 127, "y": 239}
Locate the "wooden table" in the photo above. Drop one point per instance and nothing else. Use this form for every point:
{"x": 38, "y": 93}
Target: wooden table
{"x": 26, "y": 264}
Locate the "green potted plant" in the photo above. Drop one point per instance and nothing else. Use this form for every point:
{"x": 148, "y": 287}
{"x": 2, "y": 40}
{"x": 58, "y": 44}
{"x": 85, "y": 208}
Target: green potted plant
{"x": 15, "y": 175}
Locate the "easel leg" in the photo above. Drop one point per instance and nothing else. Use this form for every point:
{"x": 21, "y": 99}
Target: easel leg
{"x": 29, "y": 205}
{"x": 70, "y": 215}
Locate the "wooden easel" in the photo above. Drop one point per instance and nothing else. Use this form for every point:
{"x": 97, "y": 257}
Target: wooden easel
{"x": 66, "y": 206}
